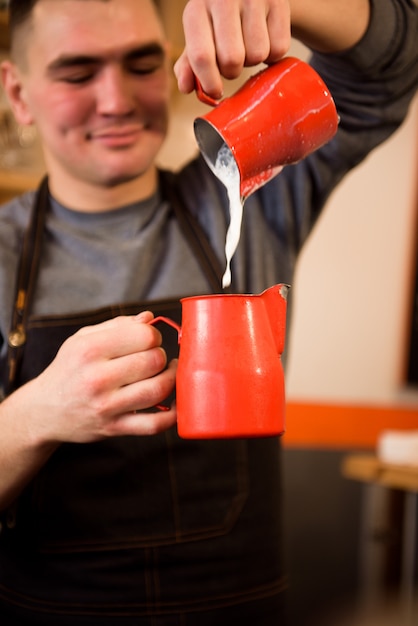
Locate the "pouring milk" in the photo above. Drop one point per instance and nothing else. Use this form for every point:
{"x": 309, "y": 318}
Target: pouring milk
{"x": 226, "y": 170}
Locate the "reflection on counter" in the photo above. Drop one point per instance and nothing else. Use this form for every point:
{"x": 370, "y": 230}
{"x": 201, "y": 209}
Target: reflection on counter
{"x": 4, "y": 25}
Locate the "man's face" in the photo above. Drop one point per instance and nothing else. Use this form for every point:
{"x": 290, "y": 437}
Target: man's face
{"x": 95, "y": 81}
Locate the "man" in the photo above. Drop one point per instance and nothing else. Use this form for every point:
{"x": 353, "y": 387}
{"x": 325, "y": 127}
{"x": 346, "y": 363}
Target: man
{"x": 101, "y": 524}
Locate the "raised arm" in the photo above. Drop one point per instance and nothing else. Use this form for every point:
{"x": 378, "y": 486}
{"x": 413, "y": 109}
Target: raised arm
{"x": 329, "y": 26}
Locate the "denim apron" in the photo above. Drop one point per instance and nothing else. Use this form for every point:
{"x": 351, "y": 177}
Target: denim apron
{"x": 137, "y": 530}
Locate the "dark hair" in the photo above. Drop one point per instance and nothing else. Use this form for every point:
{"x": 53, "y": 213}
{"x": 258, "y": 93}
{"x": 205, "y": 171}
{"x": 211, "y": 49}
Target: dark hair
{"x": 19, "y": 12}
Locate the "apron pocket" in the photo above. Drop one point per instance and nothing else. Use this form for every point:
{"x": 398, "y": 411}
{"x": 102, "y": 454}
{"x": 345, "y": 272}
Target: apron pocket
{"x": 135, "y": 492}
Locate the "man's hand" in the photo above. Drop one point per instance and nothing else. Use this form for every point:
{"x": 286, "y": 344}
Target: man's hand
{"x": 102, "y": 379}
{"x": 223, "y": 36}
{"x": 98, "y": 386}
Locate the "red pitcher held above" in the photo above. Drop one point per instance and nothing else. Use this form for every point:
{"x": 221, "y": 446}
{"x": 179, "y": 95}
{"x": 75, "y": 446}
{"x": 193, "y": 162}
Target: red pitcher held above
{"x": 278, "y": 117}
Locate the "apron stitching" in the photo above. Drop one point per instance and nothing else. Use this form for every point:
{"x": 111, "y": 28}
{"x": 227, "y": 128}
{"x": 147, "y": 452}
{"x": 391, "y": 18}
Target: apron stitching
{"x": 202, "y": 603}
{"x": 174, "y": 489}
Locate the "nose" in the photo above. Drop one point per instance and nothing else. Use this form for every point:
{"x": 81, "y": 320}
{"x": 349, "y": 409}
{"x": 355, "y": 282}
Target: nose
{"x": 114, "y": 94}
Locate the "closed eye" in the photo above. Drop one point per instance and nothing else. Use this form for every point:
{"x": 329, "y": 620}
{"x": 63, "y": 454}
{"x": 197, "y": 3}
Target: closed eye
{"x": 73, "y": 70}
{"x": 79, "y": 69}
{"x": 143, "y": 64}
{"x": 76, "y": 77}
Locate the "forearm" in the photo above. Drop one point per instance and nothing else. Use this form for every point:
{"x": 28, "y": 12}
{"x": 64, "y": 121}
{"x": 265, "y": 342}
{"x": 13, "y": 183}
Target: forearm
{"x": 329, "y": 25}
{"x": 22, "y": 452}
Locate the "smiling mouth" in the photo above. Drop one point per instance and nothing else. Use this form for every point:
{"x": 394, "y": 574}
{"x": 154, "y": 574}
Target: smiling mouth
{"x": 117, "y": 136}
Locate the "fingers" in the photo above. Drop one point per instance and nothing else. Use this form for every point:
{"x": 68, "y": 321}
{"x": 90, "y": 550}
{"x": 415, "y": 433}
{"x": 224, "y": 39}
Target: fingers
{"x": 267, "y": 33}
{"x": 102, "y": 375}
{"x": 186, "y": 77}
{"x": 223, "y": 37}
{"x": 119, "y": 354}
{"x": 143, "y": 393}
{"x": 141, "y": 396}
{"x": 144, "y": 424}
{"x": 228, "y": 37}
{"x": 129, "y": 369}
{"x": 255, "y": 34}
{"x": 118, "y": 337}
{"x": 200, "y": 55}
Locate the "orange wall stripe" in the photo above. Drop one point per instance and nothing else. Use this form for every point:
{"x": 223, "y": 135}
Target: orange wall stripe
{"x": 343, "y": 426}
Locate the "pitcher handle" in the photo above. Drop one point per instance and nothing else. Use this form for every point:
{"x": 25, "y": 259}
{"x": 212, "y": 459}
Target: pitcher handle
{"x": 203, "y": 96}
{"x": 173, "y": 324}
{"x": 167, "y": 320}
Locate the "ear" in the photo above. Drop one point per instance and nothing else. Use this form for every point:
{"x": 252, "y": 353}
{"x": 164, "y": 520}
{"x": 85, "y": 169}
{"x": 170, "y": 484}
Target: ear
{"x": 16, "y": 94}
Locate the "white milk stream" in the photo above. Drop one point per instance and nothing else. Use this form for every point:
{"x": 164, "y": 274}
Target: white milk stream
{"x": 227, "y": 171}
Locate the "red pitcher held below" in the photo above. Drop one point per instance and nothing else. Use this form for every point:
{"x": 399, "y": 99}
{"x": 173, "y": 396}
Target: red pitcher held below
{"x": 230, "y": 380}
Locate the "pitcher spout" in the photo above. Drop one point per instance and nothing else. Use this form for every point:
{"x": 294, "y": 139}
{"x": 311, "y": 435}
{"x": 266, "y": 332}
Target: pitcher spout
{"x": 275, "y": 301}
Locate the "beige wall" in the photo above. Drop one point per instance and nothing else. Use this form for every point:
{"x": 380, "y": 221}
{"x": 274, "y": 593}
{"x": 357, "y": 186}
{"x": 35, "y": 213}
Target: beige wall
{"x": 354, "y": 284}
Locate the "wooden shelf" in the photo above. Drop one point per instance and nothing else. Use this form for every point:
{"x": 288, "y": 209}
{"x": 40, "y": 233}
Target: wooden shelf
{"x": 368, "y": 468}
{"x": 4, "y": 30}
{"x": 15, "y": 182}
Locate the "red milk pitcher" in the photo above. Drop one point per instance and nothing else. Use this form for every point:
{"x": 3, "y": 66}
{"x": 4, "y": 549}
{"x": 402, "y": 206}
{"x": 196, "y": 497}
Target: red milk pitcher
{"x": 230, "y": 380}
{"x": 278, "y": 117}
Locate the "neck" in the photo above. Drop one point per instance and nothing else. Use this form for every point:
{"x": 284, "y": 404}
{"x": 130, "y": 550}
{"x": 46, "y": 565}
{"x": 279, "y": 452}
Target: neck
{"x": 90, "y": 198}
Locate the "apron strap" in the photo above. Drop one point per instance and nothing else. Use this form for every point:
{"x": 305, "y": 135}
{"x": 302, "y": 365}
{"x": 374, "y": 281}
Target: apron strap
{"x": 25, "y": 284}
